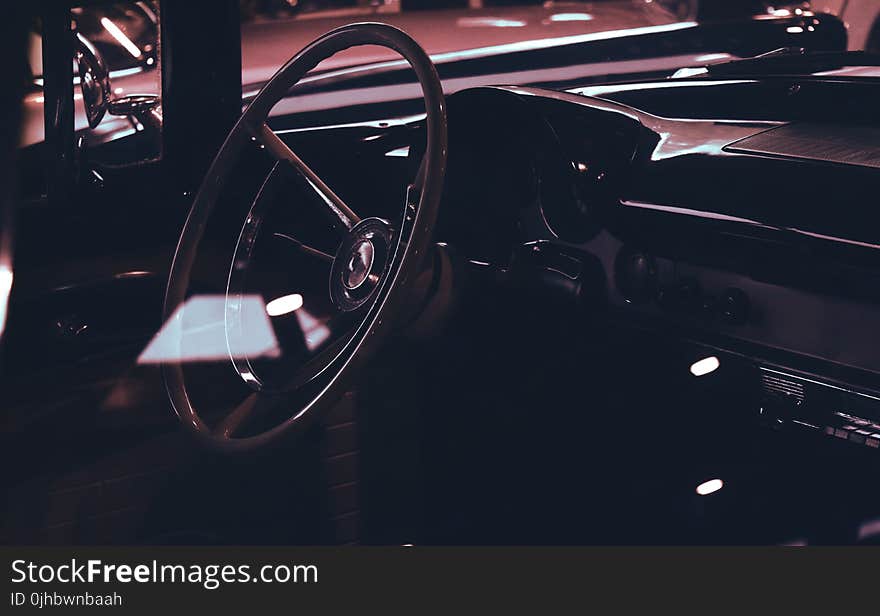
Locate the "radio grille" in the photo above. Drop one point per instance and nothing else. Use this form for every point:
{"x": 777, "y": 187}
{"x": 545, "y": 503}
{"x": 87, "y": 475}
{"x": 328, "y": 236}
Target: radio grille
{"x": 780, "y": 387}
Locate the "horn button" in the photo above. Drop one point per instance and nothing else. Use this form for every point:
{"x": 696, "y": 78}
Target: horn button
{"x": 359, "y": 265}
{"x": 360, "y": 262}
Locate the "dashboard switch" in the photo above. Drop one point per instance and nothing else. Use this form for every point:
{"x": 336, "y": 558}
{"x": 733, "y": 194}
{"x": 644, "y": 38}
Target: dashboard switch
{"x": 690, "y": 294}
{"x": 684, "y": 296}
{"x": 708, "y": 307}
{"x": 734, "y": 306}
{"x": 859, "y": 436}
{"x": 841, "y": 433}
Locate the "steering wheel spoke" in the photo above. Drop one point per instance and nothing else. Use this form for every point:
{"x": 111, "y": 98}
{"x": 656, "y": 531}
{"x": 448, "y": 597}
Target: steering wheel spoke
{"x": 338, "y": 209}
{"x": 255, "y": 405}
{"x": 304, "y": 248}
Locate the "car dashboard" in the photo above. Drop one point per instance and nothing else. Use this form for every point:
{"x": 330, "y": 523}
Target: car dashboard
{"x": 747, "y": 237}
{"x": 748, "y": 225}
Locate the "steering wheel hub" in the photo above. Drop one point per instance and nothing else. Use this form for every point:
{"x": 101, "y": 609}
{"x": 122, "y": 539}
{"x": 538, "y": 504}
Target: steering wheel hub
{"x": 360, "y": 263}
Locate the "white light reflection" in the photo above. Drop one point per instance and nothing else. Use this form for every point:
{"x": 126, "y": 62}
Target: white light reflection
{"x": 703, "y": 136}
{"x": 705, "y": 366}
{"x": 611, "y": 89}
{"x": 249, "y": 377}
{"x": 5, "y": 290}
{"x": 125, "y": 132}
{"x": 488, "y": 22}
{"x": 196, "y": 332}
{"x": 119, "y": 35}
{"x": 689, "y": 212}
{"x": 125, "y": 72}
{"x": 690, "y": 71}
{"x": 284, "y": 305}
{"x": 571, "y": 17}
{"x": 399, "y": 152}
{"x": 708, "y": 487}
{"x": 711, "y": 57}
{"x": 314, "y": 331}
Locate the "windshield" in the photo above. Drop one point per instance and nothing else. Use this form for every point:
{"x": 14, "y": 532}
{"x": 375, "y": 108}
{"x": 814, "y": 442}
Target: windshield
{"x": 271, "y": 28}
{"x": 548, "y": 43}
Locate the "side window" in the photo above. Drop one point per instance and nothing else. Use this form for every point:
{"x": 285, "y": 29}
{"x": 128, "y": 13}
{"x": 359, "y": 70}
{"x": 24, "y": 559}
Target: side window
{"x": 117, "y": 80}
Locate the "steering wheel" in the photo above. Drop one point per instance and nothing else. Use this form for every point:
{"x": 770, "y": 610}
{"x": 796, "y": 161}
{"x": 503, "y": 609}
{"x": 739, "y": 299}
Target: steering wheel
{"x": 365, "y": 279}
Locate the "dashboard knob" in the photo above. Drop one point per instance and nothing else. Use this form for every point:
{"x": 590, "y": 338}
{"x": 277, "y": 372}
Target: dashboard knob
{"x": 708, "y": 307}
{"x": 734, "y": 306}
{"x": 636, "y": 276}
{"x": 686, "y": 295}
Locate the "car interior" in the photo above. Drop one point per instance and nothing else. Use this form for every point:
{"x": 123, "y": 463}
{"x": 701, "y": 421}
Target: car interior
{"x": 353, "y": 303}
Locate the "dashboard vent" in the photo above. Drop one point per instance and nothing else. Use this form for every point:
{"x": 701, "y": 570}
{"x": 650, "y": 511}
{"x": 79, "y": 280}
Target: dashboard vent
{"x": 834, "y": 143}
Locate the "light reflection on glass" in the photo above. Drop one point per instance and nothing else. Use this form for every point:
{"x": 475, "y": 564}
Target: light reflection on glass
{"x": 196, "y": 331}
{"x": 314, "y": 331}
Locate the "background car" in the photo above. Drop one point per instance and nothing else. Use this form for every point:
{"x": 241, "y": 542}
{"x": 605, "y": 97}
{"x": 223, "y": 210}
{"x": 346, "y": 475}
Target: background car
{"x": 862, "y": 19}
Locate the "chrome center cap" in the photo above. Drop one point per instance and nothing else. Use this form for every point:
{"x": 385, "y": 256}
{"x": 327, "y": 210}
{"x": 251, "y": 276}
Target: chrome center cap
{"x": 360, "y": 263}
